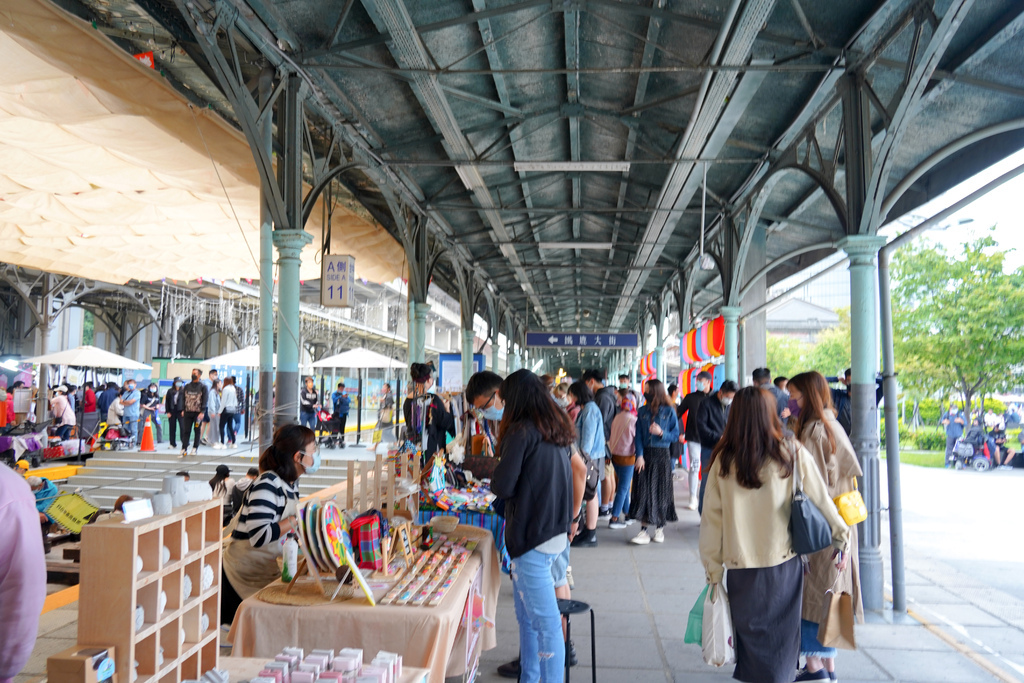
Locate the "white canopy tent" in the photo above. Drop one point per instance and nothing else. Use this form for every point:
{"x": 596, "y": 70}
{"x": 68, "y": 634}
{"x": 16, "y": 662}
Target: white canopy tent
{"x": 249, "y": 357}
{"x": 89, "y": 357}
{"x": 360, "y": 359}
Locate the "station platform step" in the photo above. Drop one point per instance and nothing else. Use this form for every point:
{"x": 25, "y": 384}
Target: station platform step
{"x": 110, "y": 474}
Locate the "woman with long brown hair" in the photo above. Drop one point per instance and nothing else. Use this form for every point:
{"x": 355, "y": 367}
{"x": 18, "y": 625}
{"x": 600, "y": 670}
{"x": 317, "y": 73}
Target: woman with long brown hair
{"x": 745, "y": 528}
{"x": 816, "y": 427}
{"x": 652, "y": 500}
{"x": 534, "y": 479}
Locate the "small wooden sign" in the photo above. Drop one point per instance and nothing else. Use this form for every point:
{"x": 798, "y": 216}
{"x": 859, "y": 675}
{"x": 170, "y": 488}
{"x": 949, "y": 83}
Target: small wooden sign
{"x": 405, "y": 542}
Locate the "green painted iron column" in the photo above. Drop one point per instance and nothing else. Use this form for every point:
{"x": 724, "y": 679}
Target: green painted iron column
{"x": 418, "y": 332}
{"x": 289, "y": 245}
{"x": 266, "y": 370}
{"x": 659, "y": 349}
{"x": 862, "y": 250}
{"x": 467, "y": 356}
{"x": 731, "y": 314}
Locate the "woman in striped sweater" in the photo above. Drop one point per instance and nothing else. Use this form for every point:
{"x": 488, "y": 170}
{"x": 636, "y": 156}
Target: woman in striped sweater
{"x": 266, "y": 516}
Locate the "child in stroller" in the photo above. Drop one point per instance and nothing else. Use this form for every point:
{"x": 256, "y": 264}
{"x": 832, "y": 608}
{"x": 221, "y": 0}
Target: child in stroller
{"x": 328, "y": 430}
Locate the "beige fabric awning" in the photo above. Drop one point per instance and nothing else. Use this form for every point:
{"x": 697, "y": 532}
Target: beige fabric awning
{"x": 104, "y": 174}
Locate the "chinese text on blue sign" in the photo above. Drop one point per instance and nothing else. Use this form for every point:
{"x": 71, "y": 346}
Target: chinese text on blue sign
{"x": 581, "y": 340}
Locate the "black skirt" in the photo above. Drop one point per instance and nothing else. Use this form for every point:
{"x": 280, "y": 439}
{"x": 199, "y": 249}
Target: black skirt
{"x": 765, "y": 605}
{"x": 652, "y": 501}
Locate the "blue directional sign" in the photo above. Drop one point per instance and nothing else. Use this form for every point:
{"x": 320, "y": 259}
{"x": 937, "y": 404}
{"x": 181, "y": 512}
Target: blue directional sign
{"x": 583, "y": 340}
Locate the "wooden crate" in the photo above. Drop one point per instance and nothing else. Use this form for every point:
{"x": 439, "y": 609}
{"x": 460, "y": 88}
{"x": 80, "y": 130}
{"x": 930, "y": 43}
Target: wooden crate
{"x": 111, "y": 590}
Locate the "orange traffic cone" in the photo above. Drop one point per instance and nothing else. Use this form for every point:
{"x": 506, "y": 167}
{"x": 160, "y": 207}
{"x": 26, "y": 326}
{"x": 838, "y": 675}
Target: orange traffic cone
{"x": 147, "y": 438}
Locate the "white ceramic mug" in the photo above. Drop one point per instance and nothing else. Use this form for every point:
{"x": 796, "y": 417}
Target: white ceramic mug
{"x": 162, "y": 602}
{"x": 162, "y": 503}
{"x": 165, "y": 555}
{"x": 138, "y": 564}
{"x": 186, "y": 587}
{"x": 204, "y": 623}
{"x": 184, "y": 543}
{"x": 140, "y": 617}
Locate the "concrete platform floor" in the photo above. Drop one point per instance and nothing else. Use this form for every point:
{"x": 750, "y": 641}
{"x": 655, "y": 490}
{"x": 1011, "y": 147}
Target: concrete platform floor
{"x": 642, "y": 594}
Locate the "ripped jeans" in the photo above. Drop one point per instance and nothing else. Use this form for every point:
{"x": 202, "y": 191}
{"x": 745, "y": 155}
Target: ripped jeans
{"x": 541, "y": 648}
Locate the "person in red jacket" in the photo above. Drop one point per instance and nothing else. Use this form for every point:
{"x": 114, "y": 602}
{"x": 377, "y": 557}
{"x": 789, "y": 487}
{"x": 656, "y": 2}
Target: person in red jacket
{"x": 90, "y": 416}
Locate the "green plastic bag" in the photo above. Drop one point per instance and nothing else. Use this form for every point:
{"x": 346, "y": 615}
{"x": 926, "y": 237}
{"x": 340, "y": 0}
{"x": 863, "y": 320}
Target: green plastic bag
{"x": 695, "y": 622}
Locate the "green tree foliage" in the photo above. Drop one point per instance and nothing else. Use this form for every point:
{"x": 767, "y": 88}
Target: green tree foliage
{"x": 831, "y": 354}
{"x": 958, "y": 319}
{"x": 88, "y": 328}
{"x": 786, "y": 355}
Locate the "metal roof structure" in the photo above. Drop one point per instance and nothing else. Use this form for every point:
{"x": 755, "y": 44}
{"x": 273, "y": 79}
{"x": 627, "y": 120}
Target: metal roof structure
{"x": 558, "y": 151}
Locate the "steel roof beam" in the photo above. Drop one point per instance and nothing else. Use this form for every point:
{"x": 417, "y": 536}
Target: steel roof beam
{"x": 733, "y": 46}
{"x": 384, "y": 36}
{"x": 516, "y": 135}
{"x": 408, "y": 50}
{"x": 571, "y": 23}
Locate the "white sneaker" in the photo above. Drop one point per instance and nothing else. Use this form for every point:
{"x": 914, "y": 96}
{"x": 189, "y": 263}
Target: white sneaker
{"x": 616, "y": 524}
{"x": 659, "y": 536}
{"x": 195, "y": 451}
{"x": 692, "y": 504}
{"x": 630, "y": 521}
{"x": 641, "y": 538}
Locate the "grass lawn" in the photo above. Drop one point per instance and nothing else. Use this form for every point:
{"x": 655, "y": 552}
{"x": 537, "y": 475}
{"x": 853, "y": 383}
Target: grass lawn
{"x": 921, "y": 458}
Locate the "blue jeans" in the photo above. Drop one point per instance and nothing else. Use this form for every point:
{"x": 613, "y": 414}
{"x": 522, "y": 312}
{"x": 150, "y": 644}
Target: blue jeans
{"x": 624, "y": 481}
{"x": 810, "y": 646}
{"x": 541, "y": 648}
{"x": 132, "y": 425}
{"x": 307, "y": 419}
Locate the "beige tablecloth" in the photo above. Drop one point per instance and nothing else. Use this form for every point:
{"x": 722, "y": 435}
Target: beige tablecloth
{"x": 424, "y": 636}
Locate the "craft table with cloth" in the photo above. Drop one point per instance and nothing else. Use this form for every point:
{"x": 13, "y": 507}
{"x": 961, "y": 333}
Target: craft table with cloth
{"x": 424, "y": 636}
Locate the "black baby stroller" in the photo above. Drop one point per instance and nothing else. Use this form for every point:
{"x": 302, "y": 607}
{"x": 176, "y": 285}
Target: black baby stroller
{"x": 328, "y": 430}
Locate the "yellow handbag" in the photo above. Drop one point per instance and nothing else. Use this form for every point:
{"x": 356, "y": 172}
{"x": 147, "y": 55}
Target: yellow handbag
{"x": 851, "y": 506}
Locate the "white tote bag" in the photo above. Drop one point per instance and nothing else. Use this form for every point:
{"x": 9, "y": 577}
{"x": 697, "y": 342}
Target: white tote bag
{"x": 718, "y": 645}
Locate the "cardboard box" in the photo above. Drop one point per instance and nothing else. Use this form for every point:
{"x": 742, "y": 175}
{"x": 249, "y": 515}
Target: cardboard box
{"x": 82, "y": 664}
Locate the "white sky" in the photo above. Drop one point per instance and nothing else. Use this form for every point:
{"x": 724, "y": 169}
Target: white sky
{"x": 1001, "y": 208}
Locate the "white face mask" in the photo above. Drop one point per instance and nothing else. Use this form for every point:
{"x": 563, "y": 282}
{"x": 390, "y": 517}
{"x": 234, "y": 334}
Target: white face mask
{"x": 726, "y": 402}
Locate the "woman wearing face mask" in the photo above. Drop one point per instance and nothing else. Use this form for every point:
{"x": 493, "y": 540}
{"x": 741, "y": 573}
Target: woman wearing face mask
{"x": 814, "y": 424}
{"x": 151, "y": 410}
{"x": 657, "y": 427}
{"x": 174, "y": 406}
{"x": 623, "y": 448}
{"x": 427, "y": 417}
{"x": 266, "y": 515}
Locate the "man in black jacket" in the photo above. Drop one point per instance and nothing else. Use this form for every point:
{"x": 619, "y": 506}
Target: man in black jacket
{"x": 174, "y": 406}
{"x": 687, "y": 412}
{"x": 711, "y": 418}
{"x": 196, "y": 400}
{"x": 607, "y": 401}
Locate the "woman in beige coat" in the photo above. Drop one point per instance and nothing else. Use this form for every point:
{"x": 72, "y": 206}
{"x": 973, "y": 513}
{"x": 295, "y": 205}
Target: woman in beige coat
{"x": 745, "y": 528}
{"x": 816, "y": 426}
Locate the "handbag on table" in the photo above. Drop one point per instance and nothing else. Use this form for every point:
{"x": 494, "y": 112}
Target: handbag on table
{"x": 808, "y": 527}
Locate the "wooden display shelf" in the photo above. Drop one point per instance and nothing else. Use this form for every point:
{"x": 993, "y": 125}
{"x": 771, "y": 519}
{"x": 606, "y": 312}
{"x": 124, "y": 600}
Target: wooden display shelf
{"x": 111, "y": 590}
